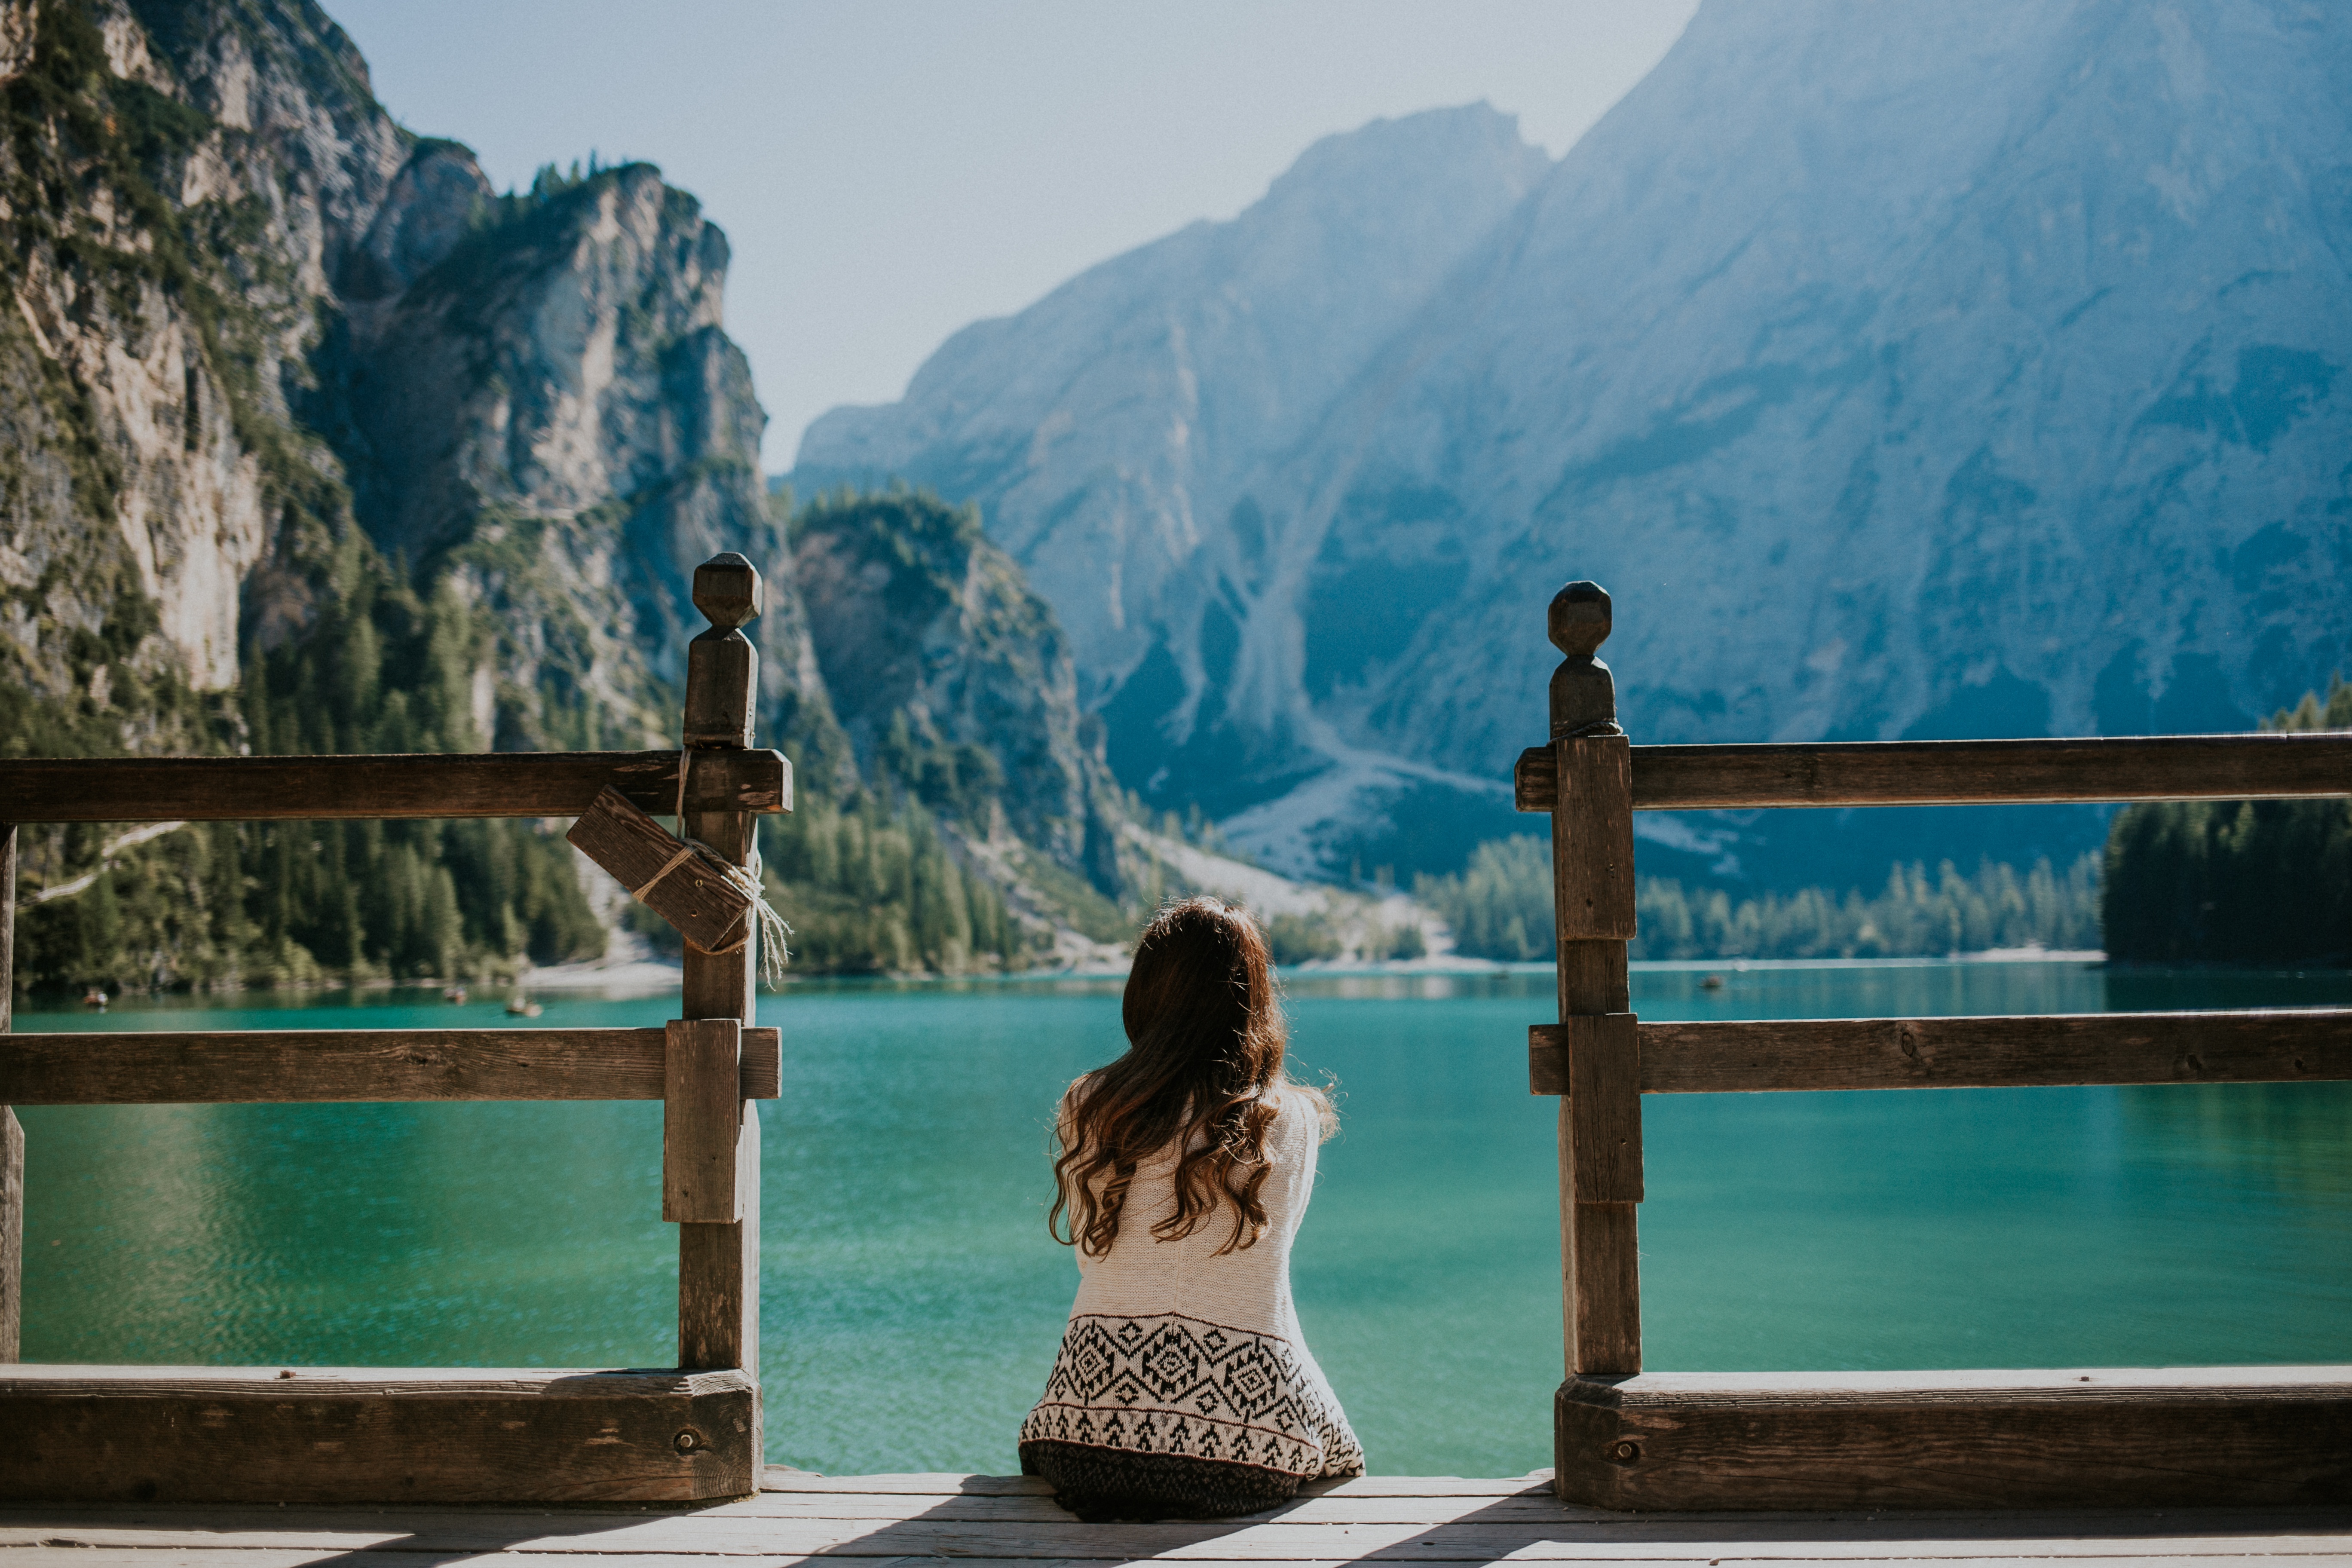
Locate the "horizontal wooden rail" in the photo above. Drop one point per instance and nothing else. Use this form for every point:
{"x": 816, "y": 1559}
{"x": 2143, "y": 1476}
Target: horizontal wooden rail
{"x": 1967, "y": 773}
{"x": 261, "y": 1066}
{"x": 2097, "y": 1436}
{"x": 2270, "y": 1046}
{"x": 346, "y": 1435}
{"x": 422, "y": 785}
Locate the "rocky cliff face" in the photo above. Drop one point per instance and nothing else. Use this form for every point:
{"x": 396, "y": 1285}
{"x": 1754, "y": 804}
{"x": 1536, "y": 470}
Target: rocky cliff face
{"x": 257, "y": 319}
{"x": 309, "y": 440}
{"x": 952, "y": 676}
{"x": 177, "y": 189}
{"x": 1903, "y": 370}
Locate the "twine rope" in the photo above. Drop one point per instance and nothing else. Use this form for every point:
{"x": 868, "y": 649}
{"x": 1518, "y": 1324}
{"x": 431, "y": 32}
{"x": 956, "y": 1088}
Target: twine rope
{"x": 744, "y": 879}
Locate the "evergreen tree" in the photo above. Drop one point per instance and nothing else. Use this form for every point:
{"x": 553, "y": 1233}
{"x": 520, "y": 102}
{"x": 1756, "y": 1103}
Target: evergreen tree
{"x": 2244, "y": 881}
{"x": 1500, "y": 906}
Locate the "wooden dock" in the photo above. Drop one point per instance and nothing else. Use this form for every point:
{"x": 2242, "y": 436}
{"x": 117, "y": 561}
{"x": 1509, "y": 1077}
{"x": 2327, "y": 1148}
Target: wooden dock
{"x": 1014, "y": 1521}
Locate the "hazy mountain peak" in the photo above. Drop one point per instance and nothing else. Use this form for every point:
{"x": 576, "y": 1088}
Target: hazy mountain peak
{"x": 1901, "y": 369}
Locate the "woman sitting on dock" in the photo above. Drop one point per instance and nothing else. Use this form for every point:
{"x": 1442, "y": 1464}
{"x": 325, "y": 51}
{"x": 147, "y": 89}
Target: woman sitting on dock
{"x": 1184, "y": 1388}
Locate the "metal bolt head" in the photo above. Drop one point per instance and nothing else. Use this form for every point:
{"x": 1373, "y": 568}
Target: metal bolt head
{"x": 1579, "y": 622}
{"x": 687, "y": 1441}
{"x": 726, "y": 590}
{"x": 1625, "y": 1451}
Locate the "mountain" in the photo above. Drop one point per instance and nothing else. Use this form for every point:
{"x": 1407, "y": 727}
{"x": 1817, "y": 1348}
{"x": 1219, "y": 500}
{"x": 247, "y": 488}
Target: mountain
{"x": 1902, "y": 370}
{"x": 311, "y": 441}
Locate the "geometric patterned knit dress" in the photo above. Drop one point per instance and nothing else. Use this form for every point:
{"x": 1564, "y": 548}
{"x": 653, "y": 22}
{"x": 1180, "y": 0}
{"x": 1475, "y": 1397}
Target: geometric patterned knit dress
{"x": 1183, "y": 1382}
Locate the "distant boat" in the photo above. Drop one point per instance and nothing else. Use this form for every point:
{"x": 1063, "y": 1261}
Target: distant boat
{"x": 524, "y": 1008}
{"x": 455, "y": 993}
{"x": 94, "y": 997}
{"x": 1712, "y": 982}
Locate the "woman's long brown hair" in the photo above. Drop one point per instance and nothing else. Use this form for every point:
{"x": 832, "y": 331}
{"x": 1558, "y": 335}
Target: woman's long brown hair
{"x": 1205, "y": 1037}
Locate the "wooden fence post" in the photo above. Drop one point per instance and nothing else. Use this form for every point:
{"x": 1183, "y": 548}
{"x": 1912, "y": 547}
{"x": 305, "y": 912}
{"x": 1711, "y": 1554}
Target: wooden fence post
{"x": 718, "y": 1261}
{"x": 12, "y": 1134}
{"x": 1592, "y": 902}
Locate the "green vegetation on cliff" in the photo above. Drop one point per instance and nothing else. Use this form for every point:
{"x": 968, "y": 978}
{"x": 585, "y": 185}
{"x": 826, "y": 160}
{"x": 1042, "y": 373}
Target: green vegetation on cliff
{"x": 295, "y": 902}
{"x": 1500, "y": 906}
{"x": 2236, "y": 881}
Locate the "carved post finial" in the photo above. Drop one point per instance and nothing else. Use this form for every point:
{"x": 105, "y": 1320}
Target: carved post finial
{"x": 1583, "y": 692}
{"x": 1578, "y": 620}
{"x": 722, "y": 670}
{"x": 727, "y": 591}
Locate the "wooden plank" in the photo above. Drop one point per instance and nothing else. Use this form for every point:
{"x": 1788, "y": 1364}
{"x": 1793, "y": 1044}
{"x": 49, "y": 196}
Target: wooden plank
{"x": 255, "y": 1435}
{"x": 12, "y": 1132}
{"x": 951, "y": 1483}
{"x": 1592, "y": 907}
{"x": 1595, "y": 1058}
{"x": 702, "y": 1117}
{"x": 1534, "y": 779}
{"x": 493, "y": 783}
{"x": 1958, "y": 772}
{"x": 12, "y": 1235}
{"x": 172, "y": 1067}
{"x": 2106, "y": 1438}
{"x": 2178, "y": 1550}
{"x": 2252, "y": 1046}
{"x": 674, "y": 880}
{"x": 718, "y": 1263}
{"x": 1593, "y": 842}
{"x": 1572, "y": 1535}
{"x": 1306, "y": 1509}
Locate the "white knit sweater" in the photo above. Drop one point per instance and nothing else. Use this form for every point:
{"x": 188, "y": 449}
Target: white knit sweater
{"x": 1174, "y": 1349}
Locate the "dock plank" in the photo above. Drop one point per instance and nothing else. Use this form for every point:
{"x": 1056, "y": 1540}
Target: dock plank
{"x": 799, "y": 1520}
{"x": 724, "y": 1532}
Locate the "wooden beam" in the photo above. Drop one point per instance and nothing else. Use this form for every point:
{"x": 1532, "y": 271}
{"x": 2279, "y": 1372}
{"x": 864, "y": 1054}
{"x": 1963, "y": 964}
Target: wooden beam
{"x": 12, "y": 1131}
{"x": 163, "y": 1068}
{"x": 494, "y": 784}
{"x": 668, "y": 877}
{"x": 702, "y": 1115}
{"x": 1593, "y": 905}
{"x": 1603, "y": 1057}
{"x": 1965, "y": 773}
{"x": 718, "y": 1263}
{"x": 2266, "y": 1045}
{"x": 12, "y": 1236}
{"x": 153, "y": 1434}
{"x": 2104, "y": 1437}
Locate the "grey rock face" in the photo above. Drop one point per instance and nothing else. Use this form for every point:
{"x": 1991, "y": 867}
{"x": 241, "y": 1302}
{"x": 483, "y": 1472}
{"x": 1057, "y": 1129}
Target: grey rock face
{"x": 547, "y": 408}
{"x": 1902, "y": 370}
{"x": 952, "y": 677}
{"x": 1104, "y": 429}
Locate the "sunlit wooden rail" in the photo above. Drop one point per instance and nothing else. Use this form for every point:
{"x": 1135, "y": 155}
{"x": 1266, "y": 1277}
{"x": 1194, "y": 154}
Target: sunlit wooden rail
{"x": 1625, "y": 1438}
{"x": 287, "y": 1435}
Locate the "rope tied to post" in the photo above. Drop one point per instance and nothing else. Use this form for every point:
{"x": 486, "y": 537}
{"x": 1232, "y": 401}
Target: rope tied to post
{"x": 744, "y": 879}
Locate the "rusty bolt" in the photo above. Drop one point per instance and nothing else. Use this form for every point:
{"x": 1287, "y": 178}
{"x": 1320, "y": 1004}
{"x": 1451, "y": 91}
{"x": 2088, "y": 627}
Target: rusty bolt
{"x": 688, "y": 1441}
{"x": 1625, "y": 1451}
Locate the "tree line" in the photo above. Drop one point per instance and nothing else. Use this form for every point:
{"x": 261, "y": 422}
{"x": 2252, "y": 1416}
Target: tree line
{"x": 1500, "y": 906}
{"x": 277, "y": 903}
{"x": 2236, "y": 881}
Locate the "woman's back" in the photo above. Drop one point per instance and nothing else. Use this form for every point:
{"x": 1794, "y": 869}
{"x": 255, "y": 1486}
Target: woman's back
{"x": 1246, "y": 1287}
{"x": 1184, "y": 1385}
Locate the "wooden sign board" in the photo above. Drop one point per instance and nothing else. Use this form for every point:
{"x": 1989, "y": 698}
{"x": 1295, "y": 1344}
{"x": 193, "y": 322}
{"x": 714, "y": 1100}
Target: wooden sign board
{"x": 677, "y": 881}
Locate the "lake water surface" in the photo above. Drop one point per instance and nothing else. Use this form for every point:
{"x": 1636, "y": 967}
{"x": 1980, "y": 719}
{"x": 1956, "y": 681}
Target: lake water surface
{"x": 911, "y": 1303}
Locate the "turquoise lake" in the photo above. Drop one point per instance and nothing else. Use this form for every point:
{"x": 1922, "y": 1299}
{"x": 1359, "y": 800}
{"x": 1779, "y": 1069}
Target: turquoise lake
{"x": 911, "y": 1300}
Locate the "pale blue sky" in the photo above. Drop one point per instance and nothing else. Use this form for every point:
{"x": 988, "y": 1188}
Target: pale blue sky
{"x": 890, "y": 169}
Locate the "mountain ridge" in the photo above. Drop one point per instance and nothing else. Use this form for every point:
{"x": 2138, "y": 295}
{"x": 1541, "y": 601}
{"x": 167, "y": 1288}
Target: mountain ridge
{"x": 1902, "y": 372}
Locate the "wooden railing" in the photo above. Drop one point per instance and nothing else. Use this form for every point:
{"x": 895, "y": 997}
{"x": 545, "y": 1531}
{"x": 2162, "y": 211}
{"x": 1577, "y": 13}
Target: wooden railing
{"x": 1627, "y": 1439}
{"x": 344, "y": 1435}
